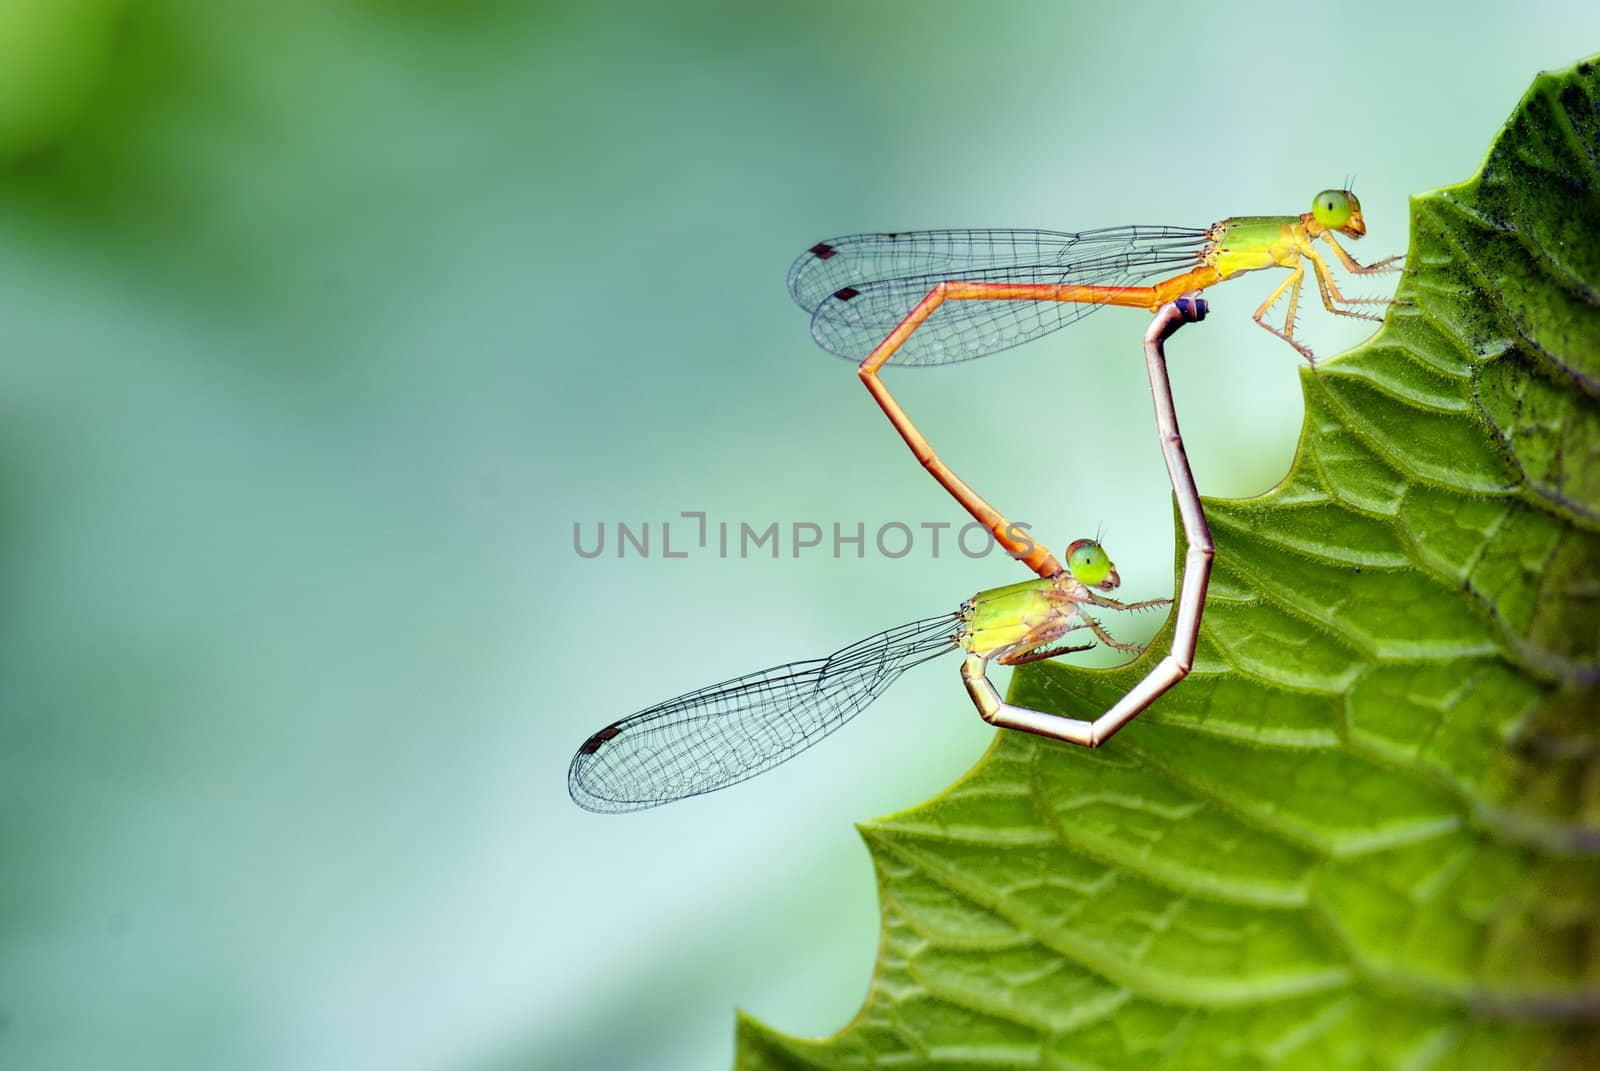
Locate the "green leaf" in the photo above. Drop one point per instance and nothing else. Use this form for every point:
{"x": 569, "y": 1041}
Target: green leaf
{"x": 1365, "y": 832}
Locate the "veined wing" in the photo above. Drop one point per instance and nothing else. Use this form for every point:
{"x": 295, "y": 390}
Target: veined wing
{"x": 858, "y": 289}
{"x": 730, "y": 732}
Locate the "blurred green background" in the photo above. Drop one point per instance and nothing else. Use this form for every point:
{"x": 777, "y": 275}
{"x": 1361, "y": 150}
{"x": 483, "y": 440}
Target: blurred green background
{"x": 323, "y": 325}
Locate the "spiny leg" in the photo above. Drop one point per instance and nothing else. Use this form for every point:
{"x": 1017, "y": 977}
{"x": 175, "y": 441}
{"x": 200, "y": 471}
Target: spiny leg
{"x": 1354, "y": 267}
{"x": 1291, "y": 284}
{"x": 1112, "y": 604}
{"x": 1040, "y": 656}
{"x": 1191, "y": 598}
{"x": 1030, "y": 647}
{"x": 1330, "y": 294}
{"x": 1111, "y": 641}
{"x": 1332, "y": 298}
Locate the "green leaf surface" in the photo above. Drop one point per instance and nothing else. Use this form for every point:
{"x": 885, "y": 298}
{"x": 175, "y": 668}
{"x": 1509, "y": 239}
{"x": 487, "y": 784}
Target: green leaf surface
{"x": 1365, "y": 832}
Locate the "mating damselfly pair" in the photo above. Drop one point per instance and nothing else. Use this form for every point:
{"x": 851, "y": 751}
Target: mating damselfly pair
{"x": 936, "y": 297}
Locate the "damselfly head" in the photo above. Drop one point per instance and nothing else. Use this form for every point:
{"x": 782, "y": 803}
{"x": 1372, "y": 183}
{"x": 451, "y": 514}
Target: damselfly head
{"x": 1091, "y": 566}
{"x": 1338, "y": 210}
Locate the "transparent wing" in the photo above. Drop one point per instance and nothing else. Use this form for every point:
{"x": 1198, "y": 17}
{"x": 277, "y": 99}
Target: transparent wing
{"x": 857, "y": 289}
{"x": 730, "y": 732}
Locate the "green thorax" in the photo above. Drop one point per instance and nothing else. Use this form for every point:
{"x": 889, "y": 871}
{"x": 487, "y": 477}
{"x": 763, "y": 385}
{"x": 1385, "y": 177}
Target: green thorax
{"x": 1247, "y": 243}
{"x": 999, "y": 617}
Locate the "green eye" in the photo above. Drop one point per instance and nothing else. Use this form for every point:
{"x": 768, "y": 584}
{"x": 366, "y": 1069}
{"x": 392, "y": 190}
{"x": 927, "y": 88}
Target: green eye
{"x": 1332, "y": 208}
{"x": 1089, "y": 562}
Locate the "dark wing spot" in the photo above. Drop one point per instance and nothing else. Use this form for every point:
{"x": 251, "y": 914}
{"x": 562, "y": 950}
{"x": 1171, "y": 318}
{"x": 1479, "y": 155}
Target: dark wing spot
{"x": 591, "y": 745}
{"x": 822, "y": 251}
{"x": 847, "y": 293}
